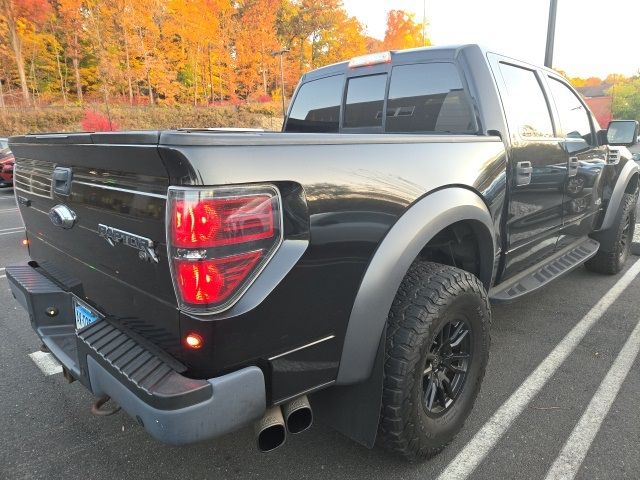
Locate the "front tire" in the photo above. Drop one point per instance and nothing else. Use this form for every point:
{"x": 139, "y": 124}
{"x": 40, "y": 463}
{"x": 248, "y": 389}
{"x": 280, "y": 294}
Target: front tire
{"x": 614, "y": 252}
{"x": 437, "y": 347}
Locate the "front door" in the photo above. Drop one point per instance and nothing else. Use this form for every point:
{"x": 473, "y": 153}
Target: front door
{"x": 586, "y": 161}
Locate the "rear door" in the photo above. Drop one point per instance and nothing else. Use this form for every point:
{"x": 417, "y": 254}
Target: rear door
{"x": 117, "y": 191}
{"x": 537, "y": 166}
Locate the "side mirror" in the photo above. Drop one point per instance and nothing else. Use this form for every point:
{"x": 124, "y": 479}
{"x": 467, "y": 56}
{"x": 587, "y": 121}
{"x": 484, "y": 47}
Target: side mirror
{"x": 623, "y": 133}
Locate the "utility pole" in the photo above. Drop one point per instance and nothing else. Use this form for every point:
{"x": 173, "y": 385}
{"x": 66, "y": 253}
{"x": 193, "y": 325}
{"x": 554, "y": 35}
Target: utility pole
{"x": 551, "y": 34}
{"x": 281, "y": 53}
{"x": 424, "y": 23}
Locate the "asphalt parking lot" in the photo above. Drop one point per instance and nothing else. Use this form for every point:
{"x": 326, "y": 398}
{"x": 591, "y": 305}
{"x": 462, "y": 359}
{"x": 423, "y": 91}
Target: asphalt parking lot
{"x": 557, "y": 402}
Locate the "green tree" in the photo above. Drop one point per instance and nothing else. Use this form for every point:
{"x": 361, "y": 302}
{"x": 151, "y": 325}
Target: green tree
{"x": 626, "y": 98}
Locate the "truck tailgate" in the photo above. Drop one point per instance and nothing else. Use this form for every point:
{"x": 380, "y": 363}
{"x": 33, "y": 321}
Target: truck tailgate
{"x": 118, "y": 186}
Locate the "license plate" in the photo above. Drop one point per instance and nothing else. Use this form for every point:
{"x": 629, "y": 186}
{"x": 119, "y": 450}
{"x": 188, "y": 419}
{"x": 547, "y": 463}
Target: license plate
{"x": 85, "y": 315}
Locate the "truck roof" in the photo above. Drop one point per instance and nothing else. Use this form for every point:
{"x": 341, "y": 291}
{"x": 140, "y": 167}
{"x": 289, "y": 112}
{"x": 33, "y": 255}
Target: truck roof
{"x": 414, "y": 55}
{"x": 409, "y": 55}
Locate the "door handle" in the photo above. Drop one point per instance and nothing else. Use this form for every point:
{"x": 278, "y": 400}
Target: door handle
{"x": 524, "y": 171}
{"x": 573, "y": 166}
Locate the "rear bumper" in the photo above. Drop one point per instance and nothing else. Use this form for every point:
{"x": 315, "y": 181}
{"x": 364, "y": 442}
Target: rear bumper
{"x": 145, "y": 383}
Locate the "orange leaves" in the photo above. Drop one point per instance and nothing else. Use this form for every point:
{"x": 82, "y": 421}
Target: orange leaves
{"x": 35, "y": 11}
{"x": 403, "y": 31}
{"x": 178, "y": 51}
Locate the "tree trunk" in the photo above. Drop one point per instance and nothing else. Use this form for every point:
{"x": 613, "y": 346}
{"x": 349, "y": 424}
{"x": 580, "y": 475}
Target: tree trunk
{"x": 2, "y": 105}
{"x": 16, "y": 45}
{"x": 126, "y": 51}
{"x": 146, "y": 65}
{"x": 62, "y": 85}
{"x": 195, "y": 77}
{"x": 76, "y": 70}
{"x": 151, "y": 100}
{"x": 35, "y": 93}
{"x": 210, "y": 72}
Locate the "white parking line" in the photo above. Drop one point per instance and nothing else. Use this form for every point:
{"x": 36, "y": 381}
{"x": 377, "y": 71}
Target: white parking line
{"x": 15, "y": 231}
{"x": 6, "y": 210}
{"x": 575, "y": 450}
{"x": 46, "y": 362}
{"x": 12, "y": 228}
{"x": 486, "y": 438}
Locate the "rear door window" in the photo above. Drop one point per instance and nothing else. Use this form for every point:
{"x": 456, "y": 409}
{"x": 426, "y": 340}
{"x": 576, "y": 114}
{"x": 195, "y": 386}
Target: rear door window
{"x": 316, "y": 108}
{"x": 364, "y": 102}
{"x": 428, "y": 98}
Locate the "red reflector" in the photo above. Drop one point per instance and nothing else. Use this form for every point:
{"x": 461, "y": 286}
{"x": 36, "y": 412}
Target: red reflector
{"x": 212, "y": 281}
{"x": 193, "y": 340}
{"x": 214, "y": 222}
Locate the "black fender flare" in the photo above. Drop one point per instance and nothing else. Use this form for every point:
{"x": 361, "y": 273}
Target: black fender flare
{"x": 626, "y": 174}
{"x": 391, "y": 261}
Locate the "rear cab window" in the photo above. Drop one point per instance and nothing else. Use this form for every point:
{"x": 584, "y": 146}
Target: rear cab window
{"x": 425, "y": 98}
{"x": 316, "y": 108}
{"x": 429, "y": 98}
{"x": 365, "y": 101}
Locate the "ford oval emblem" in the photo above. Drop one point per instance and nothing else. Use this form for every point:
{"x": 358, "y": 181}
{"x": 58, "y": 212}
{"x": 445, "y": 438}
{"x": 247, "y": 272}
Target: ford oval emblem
{"x": 62, "y": 216}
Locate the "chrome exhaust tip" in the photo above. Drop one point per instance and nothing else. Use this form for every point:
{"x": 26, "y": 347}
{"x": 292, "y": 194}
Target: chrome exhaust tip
{"x": 298, "y": 415}
{"x": 270, "y": 430}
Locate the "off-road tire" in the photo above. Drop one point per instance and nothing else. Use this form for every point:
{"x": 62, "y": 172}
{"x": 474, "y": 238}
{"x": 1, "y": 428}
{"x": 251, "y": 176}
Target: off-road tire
{"x": 613, "y": 253}
{"x": 431, "y": 295}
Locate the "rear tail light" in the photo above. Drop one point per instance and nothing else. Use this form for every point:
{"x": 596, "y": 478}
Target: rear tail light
{"x": 219, "y": 240}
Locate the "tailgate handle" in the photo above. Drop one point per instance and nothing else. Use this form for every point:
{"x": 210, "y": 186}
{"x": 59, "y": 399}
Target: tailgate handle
{"x": 62, "y": 177}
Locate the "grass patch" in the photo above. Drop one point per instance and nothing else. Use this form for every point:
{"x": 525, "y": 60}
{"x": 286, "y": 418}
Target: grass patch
{"x": 68, "y": 119}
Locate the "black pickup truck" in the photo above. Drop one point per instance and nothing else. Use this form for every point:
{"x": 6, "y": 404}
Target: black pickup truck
{"x": 342, "y": 269}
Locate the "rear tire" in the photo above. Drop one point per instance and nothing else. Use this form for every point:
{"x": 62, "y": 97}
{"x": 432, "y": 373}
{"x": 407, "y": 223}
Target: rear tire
{"x": 613, "y": 254}
{"x": 426, "y": 399}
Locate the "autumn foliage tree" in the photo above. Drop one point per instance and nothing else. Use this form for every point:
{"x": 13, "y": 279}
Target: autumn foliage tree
{"x": 199, "y": 52}
{"x": 403, "y": 32}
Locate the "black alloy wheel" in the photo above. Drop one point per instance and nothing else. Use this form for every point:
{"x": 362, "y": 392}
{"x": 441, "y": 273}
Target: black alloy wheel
{"x": 446, "y": 368}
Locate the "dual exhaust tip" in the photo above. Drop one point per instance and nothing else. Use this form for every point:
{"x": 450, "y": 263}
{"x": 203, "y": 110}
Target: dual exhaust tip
{"x": 294, "y": 417}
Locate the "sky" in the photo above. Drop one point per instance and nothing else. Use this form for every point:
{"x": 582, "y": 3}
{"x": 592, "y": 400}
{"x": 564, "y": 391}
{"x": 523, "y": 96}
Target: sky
{"x": 593, "y": 37}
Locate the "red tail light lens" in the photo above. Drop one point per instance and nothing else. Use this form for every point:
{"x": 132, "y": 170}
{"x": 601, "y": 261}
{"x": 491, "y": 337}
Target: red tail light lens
{"x": 219, "y": 240}
{"x": 212, "y": 281}
{"x": 211, "y": 222}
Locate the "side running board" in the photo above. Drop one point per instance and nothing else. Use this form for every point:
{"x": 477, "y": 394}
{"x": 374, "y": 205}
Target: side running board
{"x": 538, "y": 276}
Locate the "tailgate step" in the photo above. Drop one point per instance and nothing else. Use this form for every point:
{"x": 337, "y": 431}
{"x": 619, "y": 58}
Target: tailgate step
{"x": 538, "y": 276}
{"x": 154, "y": 379}
{"x": 146, "y": 374}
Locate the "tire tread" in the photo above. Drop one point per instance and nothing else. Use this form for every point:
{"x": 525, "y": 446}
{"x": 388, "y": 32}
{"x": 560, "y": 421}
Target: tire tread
{"x": 427, "y": 289}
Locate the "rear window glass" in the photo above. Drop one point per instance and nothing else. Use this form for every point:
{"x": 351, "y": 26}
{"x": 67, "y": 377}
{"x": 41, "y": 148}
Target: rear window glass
{"x": 365, "y": 98}
{"x": 316, "y": 107}
{"x": 428, "y": 98}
